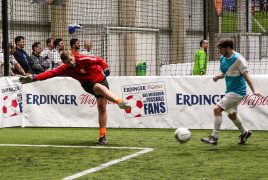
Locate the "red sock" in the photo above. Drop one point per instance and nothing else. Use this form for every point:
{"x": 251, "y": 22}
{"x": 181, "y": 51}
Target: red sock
{"x": 119, "y": 100}
{"x": 102, "y": 132}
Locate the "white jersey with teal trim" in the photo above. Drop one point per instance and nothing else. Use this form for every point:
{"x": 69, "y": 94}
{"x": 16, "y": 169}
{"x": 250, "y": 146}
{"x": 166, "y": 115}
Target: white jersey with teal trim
{"x": 233, "y": 68}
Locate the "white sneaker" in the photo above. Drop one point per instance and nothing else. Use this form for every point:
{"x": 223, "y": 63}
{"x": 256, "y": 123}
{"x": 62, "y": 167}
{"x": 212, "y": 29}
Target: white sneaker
{"x": 124, "y": 105}
{"x": 210, "y": 140}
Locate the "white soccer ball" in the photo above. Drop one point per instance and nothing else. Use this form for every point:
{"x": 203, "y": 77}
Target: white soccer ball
{"x": 182, "y": 135}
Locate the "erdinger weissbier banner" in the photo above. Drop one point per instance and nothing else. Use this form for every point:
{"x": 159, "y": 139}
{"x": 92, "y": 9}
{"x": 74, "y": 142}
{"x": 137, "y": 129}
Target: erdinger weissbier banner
{"x": 157, "y": 102}
{"x": 11, "y": 102}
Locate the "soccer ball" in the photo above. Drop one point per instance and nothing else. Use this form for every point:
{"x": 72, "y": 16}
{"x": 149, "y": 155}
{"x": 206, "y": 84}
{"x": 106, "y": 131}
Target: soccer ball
{"x": 136, "y": 106}
{"x": 10, "y": 106}
{"x": 182, "y": 135}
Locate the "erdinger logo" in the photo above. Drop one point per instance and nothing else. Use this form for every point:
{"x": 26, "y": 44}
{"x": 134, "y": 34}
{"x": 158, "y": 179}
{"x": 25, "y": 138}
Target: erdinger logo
{"x": 136, "y": 106}
{"x": 90, "y": 100}
{"x": 191, "y": 100}
{"x": 10, "y": 106}
{"x": 252, "y": 101}
{"x": 11, "y": 101}
{"x": 147, "y": 99}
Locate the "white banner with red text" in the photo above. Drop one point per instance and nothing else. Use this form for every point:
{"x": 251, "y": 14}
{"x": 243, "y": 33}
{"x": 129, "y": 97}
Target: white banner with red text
{"x": 11, "y": 102}
{"x": 157, "y": 102}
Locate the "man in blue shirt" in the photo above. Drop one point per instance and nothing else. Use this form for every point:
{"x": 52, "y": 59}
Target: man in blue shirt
{"x": 233, "y": 67}
{"x": 21, "y": 56}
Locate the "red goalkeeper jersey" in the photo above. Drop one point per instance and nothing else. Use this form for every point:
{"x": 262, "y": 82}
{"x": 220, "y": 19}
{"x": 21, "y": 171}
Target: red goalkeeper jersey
{"x": 87, "y": 69}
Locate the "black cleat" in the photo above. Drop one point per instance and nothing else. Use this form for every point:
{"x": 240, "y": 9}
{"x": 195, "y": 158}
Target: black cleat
{"x": 210, "y": 140}
{"x": 244, "y": 137}
{"x": 103, "y": 140}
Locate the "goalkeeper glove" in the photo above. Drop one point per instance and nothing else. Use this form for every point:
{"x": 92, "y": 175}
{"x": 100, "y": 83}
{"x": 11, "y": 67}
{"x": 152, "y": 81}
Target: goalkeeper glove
{"x": 106, "y": 72}
{"x": 26, "y": 79}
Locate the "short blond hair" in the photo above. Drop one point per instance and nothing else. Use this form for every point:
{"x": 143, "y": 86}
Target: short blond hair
{"x": 64, "y": 55}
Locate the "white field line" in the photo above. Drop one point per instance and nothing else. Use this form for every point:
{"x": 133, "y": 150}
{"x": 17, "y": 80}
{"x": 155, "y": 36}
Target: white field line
{"x": 144, "y": 150}
{"x": 262, "y": 28}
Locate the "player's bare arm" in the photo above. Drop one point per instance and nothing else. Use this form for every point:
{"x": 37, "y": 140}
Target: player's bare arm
{"x": 219, "y": 76}
{"x": 20, "y": 69}
{"x": 250, "y": 84}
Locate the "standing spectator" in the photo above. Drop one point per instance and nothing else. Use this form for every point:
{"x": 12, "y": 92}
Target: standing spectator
{"x": 265, "y": 7}
{"x": 39, "y": 64}
{"x": 47, "y": 50}
{"x": 12, "y": 61}
{"x": 230, "y": 7}
{"x": 54, "y": 55}
{"x": 261, "y": 7}
{"x": 21, "y": 56}
{"x": 252, "y": 8}
{"x": 75, "y": 46}
{"x": 87, "y": 48}
{"x": 200, "y": 63}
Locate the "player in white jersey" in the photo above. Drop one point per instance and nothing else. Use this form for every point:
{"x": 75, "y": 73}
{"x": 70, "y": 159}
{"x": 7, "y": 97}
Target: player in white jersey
{"x": 12, "y": 61}
{"x": 87, "y": 48}
{"x": 233, "y": 67}
{"x": 54, "y": 55}
{"x": 44, "y": 54}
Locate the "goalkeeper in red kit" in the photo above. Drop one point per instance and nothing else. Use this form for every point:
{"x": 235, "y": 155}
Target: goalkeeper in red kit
{"x": 91, "y": 72}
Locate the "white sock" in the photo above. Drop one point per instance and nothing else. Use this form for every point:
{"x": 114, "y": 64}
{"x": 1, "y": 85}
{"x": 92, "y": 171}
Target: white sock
{"x": 239, "y": 125}
{"x": 217, "y": 126}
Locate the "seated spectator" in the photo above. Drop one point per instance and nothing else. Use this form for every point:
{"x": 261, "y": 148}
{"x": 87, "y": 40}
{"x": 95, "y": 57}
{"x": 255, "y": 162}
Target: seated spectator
{"x": 39, "y": 64}
{"x": 75, "y": 46}
{"x": 87, "y": 48}
{"x": 47, "y": 50}
{"x": 21, "y": 56}
{"x": 54, "y": 55}
{"x": 13, "y": 63}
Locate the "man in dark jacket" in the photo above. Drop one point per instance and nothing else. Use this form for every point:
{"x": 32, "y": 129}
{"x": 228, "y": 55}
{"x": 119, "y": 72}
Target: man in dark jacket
{"x": 21, "y": 56}
{"x": 39, "y": 64}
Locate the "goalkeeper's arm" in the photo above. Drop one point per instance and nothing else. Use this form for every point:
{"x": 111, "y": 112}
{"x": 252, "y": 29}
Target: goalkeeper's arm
{"x": 45, "y": 75}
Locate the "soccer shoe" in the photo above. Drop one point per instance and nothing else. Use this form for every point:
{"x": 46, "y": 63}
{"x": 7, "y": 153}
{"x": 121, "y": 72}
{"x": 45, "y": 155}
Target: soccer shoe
{"x": 103, "y": 140}
{"x": 210, "y": 140}
{"x": 244, "y": 137}
{"x": 124, "y": 105}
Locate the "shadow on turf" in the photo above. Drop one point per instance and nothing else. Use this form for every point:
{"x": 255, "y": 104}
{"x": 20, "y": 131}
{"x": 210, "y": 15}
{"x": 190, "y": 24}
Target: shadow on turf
{"x": 228, "y": 148}
{"x": 75, "y": 143}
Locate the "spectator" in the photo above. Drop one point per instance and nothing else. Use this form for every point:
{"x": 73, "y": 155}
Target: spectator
{"x": 200, "y": 63}
{"x": 75, "y": 46}
{"x": 261, "y": 7}
{"x": 265, "y": 7}
{"x": 12, "y": 61}
{"x": 87, "y": 48}
{"x": 47, "y": 50}
{"x": 39, "y": 64}
{"x": 252, "y": 8}
{"x": 21, "y": 56}
{"x": 54, "y": 55}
